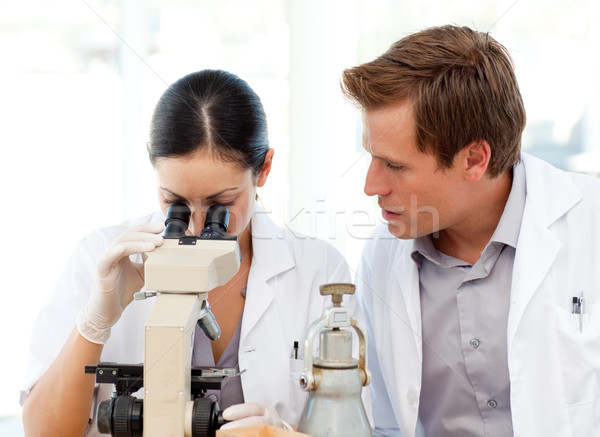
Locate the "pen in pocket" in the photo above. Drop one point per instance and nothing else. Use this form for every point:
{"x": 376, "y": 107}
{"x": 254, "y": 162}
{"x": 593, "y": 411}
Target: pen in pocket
{"x": 578, "y": 309}
{"x": 294, "y": 351}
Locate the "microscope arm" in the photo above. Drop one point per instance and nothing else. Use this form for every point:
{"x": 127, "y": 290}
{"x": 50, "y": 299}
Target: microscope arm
{"x": 167, "y": 367}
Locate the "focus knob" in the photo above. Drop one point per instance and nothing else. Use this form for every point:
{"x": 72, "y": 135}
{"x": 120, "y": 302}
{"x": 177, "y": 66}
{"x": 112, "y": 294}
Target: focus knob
{"x": 204, "y": 418}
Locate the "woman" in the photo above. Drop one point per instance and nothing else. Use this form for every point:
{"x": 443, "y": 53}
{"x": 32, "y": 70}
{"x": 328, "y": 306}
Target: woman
{"x": 208, "y": 144}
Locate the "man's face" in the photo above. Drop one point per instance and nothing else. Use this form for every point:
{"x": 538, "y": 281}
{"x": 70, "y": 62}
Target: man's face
{"x": 416, "y": 197}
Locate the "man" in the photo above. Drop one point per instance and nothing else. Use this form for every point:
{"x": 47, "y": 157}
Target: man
{"x": 472, "y": 290}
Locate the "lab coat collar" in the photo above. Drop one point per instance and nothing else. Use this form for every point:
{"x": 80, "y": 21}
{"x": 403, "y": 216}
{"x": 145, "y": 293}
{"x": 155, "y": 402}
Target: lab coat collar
{"x": 271, "y": 252}
{"x": 271, "y": 256}
{"x": 550, "y": 194}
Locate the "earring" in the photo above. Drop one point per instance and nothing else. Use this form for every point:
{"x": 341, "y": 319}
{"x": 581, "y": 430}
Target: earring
{"x": 258, "y": 199}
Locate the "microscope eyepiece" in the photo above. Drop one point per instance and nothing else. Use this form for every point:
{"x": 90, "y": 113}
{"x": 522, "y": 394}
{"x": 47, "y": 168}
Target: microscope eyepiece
{"x": 178, "y": 218}
{"x": 216, "y": 222}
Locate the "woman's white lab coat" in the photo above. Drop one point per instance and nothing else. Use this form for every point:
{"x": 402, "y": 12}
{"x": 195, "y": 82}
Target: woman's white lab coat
{"x": 282, "y": 300}
{"x": 554, "y": 367}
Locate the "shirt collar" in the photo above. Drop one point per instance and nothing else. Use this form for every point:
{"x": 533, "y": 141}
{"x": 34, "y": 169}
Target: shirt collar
{"x": 509, "y": 226}
{"x": 424, "y": 248}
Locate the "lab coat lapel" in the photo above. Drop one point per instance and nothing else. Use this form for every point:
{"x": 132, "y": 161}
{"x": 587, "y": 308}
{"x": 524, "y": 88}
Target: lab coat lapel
{"x": 407, "y": 278}
{"x": 271, "y": 257}
{"x": 536, "y": 251}
{"x": 407, "y": 378}
{"x": 550, "y": 194}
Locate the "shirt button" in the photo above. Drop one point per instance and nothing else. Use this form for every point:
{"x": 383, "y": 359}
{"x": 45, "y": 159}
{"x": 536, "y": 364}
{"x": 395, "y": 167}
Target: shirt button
{"x": 492, "y": 403}
{"x": 474, "y": 342}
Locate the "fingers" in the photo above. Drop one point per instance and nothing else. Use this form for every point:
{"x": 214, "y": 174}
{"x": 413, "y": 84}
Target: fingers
{"x": 250, "y": 414}
{"x": 139, "y": 239}
{"x": 145, "y": 232}
{"x": 247, "y": 421}
{"x": 152, "y": 228}
{"x": 241, "y": 411}
{"x": 111, "y": 258}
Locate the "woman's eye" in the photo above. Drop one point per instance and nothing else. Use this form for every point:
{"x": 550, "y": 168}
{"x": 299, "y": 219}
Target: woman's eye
{"x": 172, "y": 201}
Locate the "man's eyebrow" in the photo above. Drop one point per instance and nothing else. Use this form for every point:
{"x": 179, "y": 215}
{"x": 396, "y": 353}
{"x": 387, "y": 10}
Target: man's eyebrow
{"x": 382, "y": 158}
{"x": 212, "y": 196}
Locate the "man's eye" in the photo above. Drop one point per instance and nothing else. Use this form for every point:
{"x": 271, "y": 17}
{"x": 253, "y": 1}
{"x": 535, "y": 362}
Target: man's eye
{"x": 393, "y": 166}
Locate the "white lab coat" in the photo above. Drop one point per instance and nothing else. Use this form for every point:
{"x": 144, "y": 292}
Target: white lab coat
{"x": 282, "y": 300}
{"x": 554, "y": 368}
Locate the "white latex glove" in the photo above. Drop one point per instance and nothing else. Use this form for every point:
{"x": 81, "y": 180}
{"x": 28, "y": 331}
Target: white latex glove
{"x": 116, "y": 281}
{"x": 251, "y": 414}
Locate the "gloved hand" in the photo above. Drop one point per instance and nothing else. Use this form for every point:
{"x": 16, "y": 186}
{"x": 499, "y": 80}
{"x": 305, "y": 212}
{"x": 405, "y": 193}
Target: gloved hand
{"x": 116, "y": 281}
{"x": 251, "y": 414}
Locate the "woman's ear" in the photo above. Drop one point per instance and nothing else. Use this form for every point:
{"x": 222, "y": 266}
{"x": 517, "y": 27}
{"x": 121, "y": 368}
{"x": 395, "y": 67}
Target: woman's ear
{"x": 266, "y": 168}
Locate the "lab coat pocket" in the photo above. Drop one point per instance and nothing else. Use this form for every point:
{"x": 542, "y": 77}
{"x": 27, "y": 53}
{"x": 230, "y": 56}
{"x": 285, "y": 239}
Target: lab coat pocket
{"x": 579, "y": 352}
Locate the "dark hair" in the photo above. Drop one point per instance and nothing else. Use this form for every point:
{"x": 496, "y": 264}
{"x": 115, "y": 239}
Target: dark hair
{"x": 462, "y": 87}
{"x": 214, "y": 110}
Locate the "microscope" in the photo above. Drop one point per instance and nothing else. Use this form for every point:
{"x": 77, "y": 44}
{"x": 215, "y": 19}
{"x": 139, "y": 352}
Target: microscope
{"x": 179, "y": 274}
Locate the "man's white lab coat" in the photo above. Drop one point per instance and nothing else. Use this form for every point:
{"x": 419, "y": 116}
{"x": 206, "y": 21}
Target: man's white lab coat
{"x": 554, "y": 368}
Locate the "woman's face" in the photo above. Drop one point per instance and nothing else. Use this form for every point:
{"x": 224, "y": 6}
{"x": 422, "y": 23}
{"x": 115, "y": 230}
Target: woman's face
{"x": 202, "y": 180}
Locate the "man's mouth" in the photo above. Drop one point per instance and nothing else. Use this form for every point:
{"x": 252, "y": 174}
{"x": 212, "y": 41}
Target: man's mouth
{"x": 390, "y": 215}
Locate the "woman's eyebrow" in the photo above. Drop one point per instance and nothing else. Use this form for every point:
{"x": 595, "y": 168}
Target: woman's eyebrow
{"x": 212, "y": 196}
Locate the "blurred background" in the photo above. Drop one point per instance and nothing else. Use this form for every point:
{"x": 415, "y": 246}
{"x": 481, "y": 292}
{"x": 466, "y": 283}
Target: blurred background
{"x": 79, "y": 80}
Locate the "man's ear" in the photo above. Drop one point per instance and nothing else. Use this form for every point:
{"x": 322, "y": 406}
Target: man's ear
{"x": 266, "y": 168}
{"x": 476, "y": 159}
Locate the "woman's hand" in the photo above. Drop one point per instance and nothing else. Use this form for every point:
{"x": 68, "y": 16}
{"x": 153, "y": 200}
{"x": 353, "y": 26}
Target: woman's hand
{"x": 116, "y": 281}
{"x": 251, "y": 414}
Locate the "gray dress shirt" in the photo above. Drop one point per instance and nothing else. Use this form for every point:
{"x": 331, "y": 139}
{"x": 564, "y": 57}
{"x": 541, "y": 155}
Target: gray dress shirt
{"x": 465, "y": 383}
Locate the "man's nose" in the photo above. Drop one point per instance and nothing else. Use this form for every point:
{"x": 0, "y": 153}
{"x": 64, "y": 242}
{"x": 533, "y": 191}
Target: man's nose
{"x": 375, "y": 181}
